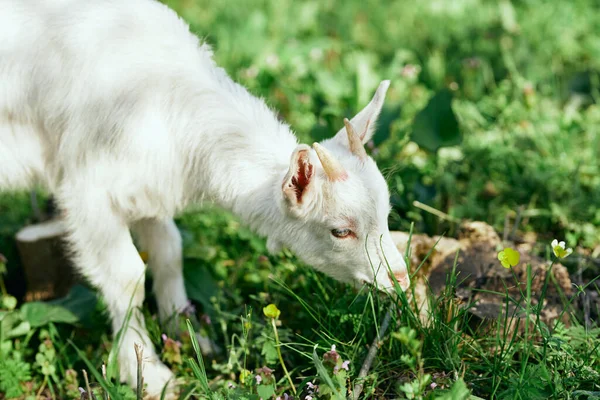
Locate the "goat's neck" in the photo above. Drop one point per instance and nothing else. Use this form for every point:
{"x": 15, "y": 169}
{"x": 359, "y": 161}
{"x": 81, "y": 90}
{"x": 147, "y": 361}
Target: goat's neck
{"x": 241, "y": 161}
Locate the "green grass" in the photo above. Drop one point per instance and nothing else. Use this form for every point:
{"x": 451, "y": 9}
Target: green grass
{"x": 524, "y": 78}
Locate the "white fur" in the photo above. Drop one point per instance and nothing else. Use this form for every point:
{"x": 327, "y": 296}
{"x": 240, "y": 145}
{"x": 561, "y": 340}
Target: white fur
{"x": 122, "y": 113}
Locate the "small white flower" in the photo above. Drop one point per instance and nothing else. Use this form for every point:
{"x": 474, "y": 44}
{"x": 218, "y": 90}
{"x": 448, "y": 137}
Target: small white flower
{"x": 345, "y": 365}
{"x": 559, "y": 250}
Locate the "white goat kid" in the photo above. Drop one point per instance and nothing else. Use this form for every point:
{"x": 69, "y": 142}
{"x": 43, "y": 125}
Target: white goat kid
{"x": 121, "y": 113}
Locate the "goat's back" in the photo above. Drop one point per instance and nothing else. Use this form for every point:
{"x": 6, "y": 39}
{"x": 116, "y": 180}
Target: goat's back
{"x": 86, "y": 83}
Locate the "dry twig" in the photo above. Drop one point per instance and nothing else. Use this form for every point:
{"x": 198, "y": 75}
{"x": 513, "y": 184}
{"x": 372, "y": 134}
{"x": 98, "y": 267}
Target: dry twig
{"x": 139, "y": 351}
{"x": 364, "y": 370}
{"x": 87, "y": 395}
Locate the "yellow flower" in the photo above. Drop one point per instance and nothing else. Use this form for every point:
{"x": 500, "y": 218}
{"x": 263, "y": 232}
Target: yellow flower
{"x": 509, "y": 257}
{"x": 271, "y": 311}
{"x": 559, "y": 249}
{"x": 244, "y": 373}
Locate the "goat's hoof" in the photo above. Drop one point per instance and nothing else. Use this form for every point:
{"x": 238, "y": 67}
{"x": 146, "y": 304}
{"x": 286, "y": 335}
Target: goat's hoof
{"x": 156, "y": 377}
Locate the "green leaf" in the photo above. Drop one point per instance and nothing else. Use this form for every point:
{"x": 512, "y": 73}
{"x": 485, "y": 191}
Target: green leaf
{"x": 265, "y": 391}
{"x": 459, "y": 391}
{"x": 200, "y": 286}
{"x": 76, "y": 305}
{"x": 80, "y": 300}
{"x": 324, "y": 375}
{"x": 269, "y": 351}
{"x": 40, "y": 314}
{"x": 13, "y": 325}
{"x": 436, "y": 125}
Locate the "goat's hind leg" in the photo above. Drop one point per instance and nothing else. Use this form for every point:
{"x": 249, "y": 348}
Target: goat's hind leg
{"x": 105, "y": 253}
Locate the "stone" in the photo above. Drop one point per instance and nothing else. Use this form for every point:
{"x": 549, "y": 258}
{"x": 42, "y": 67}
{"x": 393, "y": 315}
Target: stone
{"x": 482, "y": 283}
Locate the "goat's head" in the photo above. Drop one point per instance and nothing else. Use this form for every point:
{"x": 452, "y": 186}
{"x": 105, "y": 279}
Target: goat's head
{"x": 337, "y": 202}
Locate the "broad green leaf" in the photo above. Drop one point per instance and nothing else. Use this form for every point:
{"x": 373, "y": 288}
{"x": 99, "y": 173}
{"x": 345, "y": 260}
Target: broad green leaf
{"x": 265, "y": 391}
{"x": 40, "y": 314}
{"x": 459, "y": 391}
{"x": 436, "y": 125}
{"x": 21, "y": 329}
{"x": 269, "y": 351}
{"x": 80, "y": 300}
{"x": 200, "y": 285}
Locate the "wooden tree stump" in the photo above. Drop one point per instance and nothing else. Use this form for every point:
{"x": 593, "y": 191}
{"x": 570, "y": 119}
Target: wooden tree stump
{"x": 48, "y": 271}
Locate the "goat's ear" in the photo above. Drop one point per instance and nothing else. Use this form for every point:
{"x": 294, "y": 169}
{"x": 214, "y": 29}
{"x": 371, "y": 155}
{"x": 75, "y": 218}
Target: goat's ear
{"x": 298, "y": 185}
{"x": 364, "y": 122}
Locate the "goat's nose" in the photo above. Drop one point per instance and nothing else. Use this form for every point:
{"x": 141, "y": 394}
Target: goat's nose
{"x": 402, "y": 279}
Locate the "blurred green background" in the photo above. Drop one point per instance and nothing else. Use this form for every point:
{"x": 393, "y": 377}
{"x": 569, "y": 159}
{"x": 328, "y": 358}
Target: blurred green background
{"x": 522, "y": 76}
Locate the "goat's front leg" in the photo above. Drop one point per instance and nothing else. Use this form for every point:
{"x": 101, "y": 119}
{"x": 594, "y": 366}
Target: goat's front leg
{"x": 161, "y": 239}
{"x": 105, "y": 253}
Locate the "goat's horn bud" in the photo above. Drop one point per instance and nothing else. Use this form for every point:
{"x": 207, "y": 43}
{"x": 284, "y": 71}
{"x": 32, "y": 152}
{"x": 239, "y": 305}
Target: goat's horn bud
{"x": 332, "y": 167}
{"x": 356, "y": 146}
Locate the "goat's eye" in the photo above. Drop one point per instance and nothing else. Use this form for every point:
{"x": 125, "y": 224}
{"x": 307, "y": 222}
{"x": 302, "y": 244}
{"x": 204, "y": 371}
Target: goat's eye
{"x": 341, "y": 233}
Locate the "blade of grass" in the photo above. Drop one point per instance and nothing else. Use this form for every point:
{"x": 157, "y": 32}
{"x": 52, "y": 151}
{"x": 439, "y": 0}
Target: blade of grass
{"x": 198, "y": 368}
{"x": 105, "y": 384}
{"x": 322, "y": 371}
